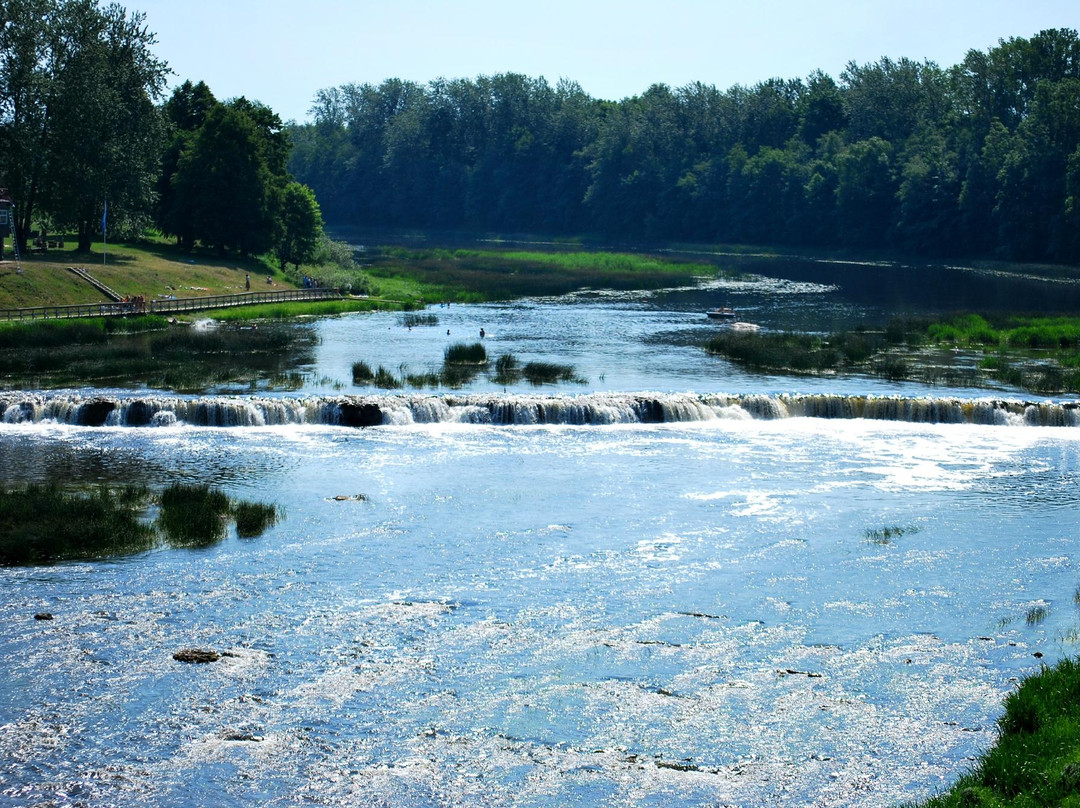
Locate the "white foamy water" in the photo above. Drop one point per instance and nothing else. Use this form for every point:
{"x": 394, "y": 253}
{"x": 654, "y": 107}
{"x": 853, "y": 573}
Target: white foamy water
{"x": 546, "y": 615}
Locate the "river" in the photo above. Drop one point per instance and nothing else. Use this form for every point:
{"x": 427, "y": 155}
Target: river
{"x": 672, "y": 583}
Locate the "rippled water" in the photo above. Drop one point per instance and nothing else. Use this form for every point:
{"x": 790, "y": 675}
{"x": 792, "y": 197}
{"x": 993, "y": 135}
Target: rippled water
{"x": 723, "y": 612}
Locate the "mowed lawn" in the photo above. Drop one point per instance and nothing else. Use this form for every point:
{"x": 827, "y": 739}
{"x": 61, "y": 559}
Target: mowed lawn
{"x": 152, "y": 271}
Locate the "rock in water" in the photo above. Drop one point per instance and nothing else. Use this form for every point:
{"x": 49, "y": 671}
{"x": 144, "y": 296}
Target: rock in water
{"x": 43, "y": 616}
{"x": 196, "y": 655}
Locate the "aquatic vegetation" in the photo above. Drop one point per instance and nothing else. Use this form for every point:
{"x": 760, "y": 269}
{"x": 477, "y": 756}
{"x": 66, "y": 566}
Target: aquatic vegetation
{"x": 193, "y": 515}
{"x": 507, "y": 369}
{"x": 1036, "y": 615}
{"x": 548, "y": 373}
{"x": 385, "y": 379}
{"x": 414, "y": 319}
{"x": 253, "y": 518}
{"x": 181, "y": 358}
{"x": 362, "y": 373}
{"x": 480, "y": 275}
{"x": 1037, "y": 354}
{"x": 41, "y": 524}
{"x": 52, "y": 333}
{"x": 1033, "y": 761}
{"x": 886, "y": 535}
{"x": 461, "y": 353}
{"x": 783, "y": 351}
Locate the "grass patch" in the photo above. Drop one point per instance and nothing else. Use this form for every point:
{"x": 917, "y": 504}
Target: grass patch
{"x": 363, "y": 375}
{"x": 154, "y": 354}
{"x": 412, "y": 319}
{"x": 1035, "y": 760}
{"x": 1041, "y": 355}
{"x": 254, "y": 518}
{"x": 463, "y": 363}
{"x": 193, "y": 515}
{"x": 548, "y": 373}
{"x": 461, "y": 353}
{"x": 473, "y": 275}
{"x": 507, "y": 370}
{"x": 41, "y": 523}
{"x": 1036, "y": 615}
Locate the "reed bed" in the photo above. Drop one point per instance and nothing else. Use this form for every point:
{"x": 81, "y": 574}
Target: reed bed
{"x": 42, "y": 523}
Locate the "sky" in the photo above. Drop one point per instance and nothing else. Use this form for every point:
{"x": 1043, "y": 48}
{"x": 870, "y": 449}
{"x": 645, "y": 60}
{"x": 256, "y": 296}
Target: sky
{"x": 281, "y": 52}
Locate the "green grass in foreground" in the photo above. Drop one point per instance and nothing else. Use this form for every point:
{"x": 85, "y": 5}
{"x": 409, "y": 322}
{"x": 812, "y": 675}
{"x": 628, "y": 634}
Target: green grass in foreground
{"x": 1036, "y": 760}
{"x": 42, "y": 524}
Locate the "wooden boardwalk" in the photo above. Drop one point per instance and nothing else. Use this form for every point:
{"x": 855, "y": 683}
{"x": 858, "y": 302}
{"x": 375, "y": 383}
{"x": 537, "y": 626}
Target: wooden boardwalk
{"x": 165, "y": 305}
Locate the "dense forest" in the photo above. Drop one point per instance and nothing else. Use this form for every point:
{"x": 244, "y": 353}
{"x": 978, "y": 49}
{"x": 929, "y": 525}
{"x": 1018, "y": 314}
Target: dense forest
{"x": 978, "y": 159}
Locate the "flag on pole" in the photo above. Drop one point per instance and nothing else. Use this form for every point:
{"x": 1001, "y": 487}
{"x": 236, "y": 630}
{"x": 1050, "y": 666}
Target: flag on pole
{"x": 104, "y": 216}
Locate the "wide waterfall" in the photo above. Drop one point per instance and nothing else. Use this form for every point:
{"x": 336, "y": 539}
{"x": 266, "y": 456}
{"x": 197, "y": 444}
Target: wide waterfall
{"x": 593, "y": 409}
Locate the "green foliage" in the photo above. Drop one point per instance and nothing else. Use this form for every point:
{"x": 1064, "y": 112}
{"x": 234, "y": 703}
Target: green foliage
{"x": 461, "y": 353}
{"x": 41, "y": 524}
{"x": 224, "y": 187}
{"x": 300, "y": 227}
{"x": 507, "y": 369}
{"x": 254, "y": 518}
{"x": 1035, "y": 760}
{"x": 193, "y": 515}
{"x": 547, "y": 373}
{"x": 154, "y": 354}
{"x": 362, "y": 373}
{"x": 982, "y": 158}
{"x": 78, "y": 121}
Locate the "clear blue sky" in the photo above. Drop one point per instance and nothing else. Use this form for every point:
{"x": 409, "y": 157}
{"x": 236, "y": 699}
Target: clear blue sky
{"x": 281, "y": 52}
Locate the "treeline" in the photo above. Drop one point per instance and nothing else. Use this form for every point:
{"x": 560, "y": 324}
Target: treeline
{"x": 84, "y": 124}
{"x": 978, "y": 159}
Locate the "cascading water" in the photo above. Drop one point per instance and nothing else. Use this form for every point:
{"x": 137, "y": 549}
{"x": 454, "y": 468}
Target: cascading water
{"x": 596, "y": 409}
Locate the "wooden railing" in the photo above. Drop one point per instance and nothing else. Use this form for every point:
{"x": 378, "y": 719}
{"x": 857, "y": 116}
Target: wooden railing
{"x": 165, "y": 306}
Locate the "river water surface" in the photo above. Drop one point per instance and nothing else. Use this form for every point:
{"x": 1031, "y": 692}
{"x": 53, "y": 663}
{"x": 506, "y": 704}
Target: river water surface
{"x": 708, "y": 598}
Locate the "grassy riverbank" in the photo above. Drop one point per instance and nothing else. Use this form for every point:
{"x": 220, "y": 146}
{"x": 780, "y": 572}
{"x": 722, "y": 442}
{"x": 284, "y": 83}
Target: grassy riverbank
{"x": 480, "y": 275}
{"x": 1036, "y": 760}
{"x": 391, "y": 276}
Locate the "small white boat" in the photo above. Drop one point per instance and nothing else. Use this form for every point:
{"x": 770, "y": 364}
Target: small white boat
{"x": 722, "y": 313}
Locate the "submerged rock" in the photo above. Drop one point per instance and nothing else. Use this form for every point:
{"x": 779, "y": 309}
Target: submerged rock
{"x": 43, "y": 616}
{"x": 196, "y": 655}
{"x": 95, "y": 412}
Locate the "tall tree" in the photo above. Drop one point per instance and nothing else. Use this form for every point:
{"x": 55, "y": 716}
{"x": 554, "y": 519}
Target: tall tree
{"x": 78, "y": 123}
{"x": 222, "y": 182}
{"x": 301, "y": 225}
{"x": 105, "y": 132}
